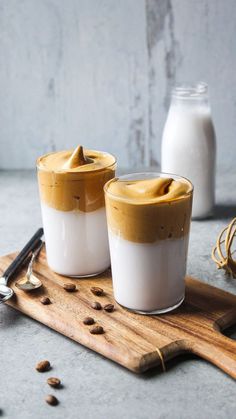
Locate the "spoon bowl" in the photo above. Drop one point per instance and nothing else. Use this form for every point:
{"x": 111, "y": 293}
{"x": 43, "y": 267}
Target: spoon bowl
{"x": 5, "y": 293}
{"x": 28, "y": 283}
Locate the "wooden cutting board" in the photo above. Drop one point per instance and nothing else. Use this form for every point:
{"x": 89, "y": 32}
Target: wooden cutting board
{"x": 135, "y": 341}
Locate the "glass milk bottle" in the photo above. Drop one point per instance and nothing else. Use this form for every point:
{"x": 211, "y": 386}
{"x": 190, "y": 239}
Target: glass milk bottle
{"x": 189, "y": 145}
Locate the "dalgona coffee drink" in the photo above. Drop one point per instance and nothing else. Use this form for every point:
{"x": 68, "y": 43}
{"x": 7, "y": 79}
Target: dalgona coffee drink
{"x": 73, "y": 209}
{"x": 148, "y": 218}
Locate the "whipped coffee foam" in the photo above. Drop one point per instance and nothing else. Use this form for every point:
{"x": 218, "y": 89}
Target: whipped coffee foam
{"x": 149, "y": 209}
{"x": 74, "y": 180}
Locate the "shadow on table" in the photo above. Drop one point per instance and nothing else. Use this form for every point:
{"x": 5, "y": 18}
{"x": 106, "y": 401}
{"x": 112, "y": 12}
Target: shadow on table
{"x": 184, "y": 358}
{"x": 224, "y": 211}
{"x": 170, "y": 365}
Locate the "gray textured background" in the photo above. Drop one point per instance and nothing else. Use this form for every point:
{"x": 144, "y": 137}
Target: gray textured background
{"x": 99, "y": 72}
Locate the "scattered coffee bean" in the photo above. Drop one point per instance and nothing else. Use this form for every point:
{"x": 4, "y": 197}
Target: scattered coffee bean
{"x": 45, "y": 301}
{"x": 96, "y": 305}
{"x": 43, "y": 366}
{"x": 97, "y": 330}
{"x": 69, "y": 287}
{"x": 97, "y": 291}
{"x": 109, "y": 308}
{"x": 54, "y": 382}
{"x": 52, "y": 400}
{"x": 88, "y": 320}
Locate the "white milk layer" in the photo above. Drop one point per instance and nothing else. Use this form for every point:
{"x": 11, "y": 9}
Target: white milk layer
{"x": 76, "y": 242}
{"x": 188, "y": 149}
{"x": 148, "y": 277}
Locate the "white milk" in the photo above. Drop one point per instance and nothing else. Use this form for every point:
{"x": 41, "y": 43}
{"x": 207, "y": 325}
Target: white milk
{"x": 76, "y": 241}
{"x": 148, "y": 277}
{"x": 189, "y": 146}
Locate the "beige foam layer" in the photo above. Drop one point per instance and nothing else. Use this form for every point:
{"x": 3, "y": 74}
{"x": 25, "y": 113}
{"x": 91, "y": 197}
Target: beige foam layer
{"x": 144, "y": 211}
{"x": 74, "y": 180}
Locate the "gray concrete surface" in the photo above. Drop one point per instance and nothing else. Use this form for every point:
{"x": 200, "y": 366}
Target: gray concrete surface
{"x": 93, "y": 386}
{"x": 100, "y": 72}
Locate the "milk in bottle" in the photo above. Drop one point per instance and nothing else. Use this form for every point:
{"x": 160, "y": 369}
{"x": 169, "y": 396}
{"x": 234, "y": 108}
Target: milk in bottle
{"x": 189, "y": 145}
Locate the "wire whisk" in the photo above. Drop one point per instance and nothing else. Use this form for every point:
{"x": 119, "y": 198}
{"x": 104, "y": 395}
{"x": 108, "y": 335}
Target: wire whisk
{"x": 222, "y": 253}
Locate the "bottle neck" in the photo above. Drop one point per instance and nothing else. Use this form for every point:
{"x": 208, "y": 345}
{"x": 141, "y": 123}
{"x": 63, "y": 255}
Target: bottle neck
{"x": 191, "y": 95}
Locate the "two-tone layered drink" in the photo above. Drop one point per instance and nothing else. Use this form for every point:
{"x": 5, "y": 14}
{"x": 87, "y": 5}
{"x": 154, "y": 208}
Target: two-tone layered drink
{"x": 148, "y": 217}
{"x": 73, "y": 210}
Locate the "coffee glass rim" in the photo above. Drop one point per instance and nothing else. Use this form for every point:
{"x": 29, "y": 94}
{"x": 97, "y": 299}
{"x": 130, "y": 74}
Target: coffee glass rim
{"x": 130, "y": 176}
{"x": 114, "y": 163}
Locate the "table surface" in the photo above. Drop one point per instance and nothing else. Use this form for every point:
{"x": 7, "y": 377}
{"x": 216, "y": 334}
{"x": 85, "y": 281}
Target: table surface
{"x": 94, "y": 386}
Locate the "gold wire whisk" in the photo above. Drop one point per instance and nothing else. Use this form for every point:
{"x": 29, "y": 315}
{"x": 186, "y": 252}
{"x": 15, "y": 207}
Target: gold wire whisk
{"x": 222, "y": 253}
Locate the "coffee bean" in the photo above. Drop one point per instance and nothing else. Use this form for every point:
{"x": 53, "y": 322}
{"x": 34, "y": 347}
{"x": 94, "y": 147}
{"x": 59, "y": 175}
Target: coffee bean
{"x": 69, "y": 287}
{"x": 88, "y": 320}
{"x": 45, "y": 301}
{"x": 52, "y": 400}
{"x": 43, "y": 366}
{"x": 97, "y": 291}
{"x": 54, "y": 382}
{"x": 109, "y": 308}
{"x": 96, "y": 305}
{"x": 97, "y": 330}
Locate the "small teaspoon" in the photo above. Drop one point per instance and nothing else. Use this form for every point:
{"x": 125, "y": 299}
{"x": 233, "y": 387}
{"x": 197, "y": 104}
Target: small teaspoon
{"x": 5, "y": 291}
{"x": 30, "y": 282}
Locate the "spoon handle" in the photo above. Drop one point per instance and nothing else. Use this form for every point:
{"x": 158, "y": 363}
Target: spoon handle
{"x": 34, "y": 255}
{"x": 29, "y": 247}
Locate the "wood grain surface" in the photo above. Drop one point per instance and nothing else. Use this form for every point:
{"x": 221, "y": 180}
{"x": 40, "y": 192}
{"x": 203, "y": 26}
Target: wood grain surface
{"x": 135, "y": 341}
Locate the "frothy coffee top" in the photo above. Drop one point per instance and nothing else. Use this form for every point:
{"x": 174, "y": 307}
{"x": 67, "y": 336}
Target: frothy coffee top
{"x": 74, "y": 180}
{"x": 149, "y": 190}
{"x": 78, "y": 160}
{"x": 148, "y": 210}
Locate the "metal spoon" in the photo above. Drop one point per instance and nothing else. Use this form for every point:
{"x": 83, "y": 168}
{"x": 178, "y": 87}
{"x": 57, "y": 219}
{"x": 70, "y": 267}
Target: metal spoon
{"x": 30, "y": 282}
{"x": 5, "y": 291}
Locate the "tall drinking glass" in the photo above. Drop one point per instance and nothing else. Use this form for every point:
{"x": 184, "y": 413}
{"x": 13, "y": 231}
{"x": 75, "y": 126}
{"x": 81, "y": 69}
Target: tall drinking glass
{"x": 73, "y": 210}
{"x": 148, "y": 217}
